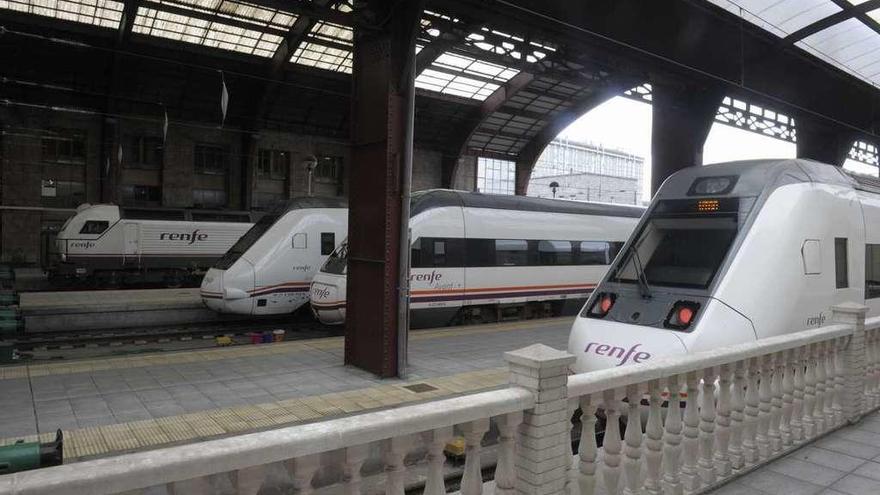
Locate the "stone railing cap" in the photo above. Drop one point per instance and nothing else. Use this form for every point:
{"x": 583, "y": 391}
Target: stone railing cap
{"x": 539, "y": 356}
{"x": 850, "y": 308}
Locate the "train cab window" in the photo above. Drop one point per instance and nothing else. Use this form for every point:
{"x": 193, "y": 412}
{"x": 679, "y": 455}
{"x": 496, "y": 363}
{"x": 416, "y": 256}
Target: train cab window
{"x": 841, "y": 264}
{"x": 872, "y": 271}
{"x": 511, "y": 252}
{"x": 299, "y": 241}
{"x": 594, "y": 253}
{"x": 555, "y": 253}
{"x": 94, "y": 227}
{"x": 328, "y": 242}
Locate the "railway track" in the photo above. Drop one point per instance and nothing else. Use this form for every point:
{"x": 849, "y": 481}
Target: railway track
{"x": 294, "y": 330}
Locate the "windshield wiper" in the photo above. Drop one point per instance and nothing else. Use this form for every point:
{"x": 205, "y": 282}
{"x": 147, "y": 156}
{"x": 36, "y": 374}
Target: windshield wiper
{"x": 644, "y": 288}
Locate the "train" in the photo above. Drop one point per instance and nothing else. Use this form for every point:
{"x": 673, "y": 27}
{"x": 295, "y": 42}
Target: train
{"x": 109, "y": 244}
{"x": 479, "y": 257}
{"x": 268, "y": 271}
{"x": 731, "y": 253}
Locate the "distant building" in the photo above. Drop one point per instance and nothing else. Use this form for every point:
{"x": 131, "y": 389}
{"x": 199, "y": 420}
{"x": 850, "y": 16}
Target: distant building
{"x": 586, "y": 172}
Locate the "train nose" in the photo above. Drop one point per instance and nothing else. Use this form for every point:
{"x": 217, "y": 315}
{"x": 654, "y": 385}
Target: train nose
{"x": 599, "y": 344}
{"x": 211, "y": 289}
{"x": 327, "y": 303}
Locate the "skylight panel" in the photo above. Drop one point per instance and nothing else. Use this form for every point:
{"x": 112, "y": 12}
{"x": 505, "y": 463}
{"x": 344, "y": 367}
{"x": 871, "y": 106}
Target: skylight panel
{"x": 460, "y": 75}
{"x": 328, "y": 47}
{"x": 850, "y": 45}
{"x": 250, "y": 29}
{"x": 103, "y": 13}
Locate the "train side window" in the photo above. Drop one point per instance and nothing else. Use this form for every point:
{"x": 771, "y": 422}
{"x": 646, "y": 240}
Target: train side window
{"x": 328, "y": 242}
{"x": 480, "y": 252}
{"x": 872, "y": 271}
{"x": 841, "y": 264}
{"x": 594, "y": 253}
{"x": 94, "y": 227}
{"x": 439, "y": 254}
{"x": 511, "y": 252}
{"x": 299, "y": 241}
{"x": 555, "y": 253}
{"x": 614, "y": 248}
{"x": 811, "y": 252}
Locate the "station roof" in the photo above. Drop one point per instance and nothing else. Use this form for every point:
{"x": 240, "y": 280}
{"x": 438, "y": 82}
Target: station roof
{"x": 496, "y": 79}
{"x": 844, "y": 33}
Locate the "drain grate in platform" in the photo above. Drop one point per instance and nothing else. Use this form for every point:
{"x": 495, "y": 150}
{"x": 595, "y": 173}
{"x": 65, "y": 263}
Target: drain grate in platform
{"x": 420, "y": 387}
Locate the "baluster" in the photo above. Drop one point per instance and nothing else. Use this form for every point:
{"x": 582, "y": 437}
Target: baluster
{"x": 738, "y": 405}
{"x": 870, "y": 369}
{"x": 438, "y": 438}
{"x": 304, "y": 469}
{"x": 395, "y": 471}
{"x": 773, "y": 432}
{"x": 472, "y": 479}
{"x": 839, "y": 380}
{"x": 505, "y": 472}
{"x": 249, "y": 480}
{"x": 653, "y": 439}
{"x": 787, "y": 397}
{"x": 691, "y": 441}
{"x": 351, "y": 469}
{"x": 830, "y": 391}
{"x": 797, "y": 405}
{"x": 750, "y": 429}
{"x": 672, "y": 439}
{"x": 706, "y": 463}
{"x": 587, "y": 448}
{"x": 722, "y": 421}
{"x": 632, "y": 460}
{"x": 821, "y": 377}
{"x": 809, "y": 393}
{"x": 611, "y": 443}
{"x": 764, "y": 406}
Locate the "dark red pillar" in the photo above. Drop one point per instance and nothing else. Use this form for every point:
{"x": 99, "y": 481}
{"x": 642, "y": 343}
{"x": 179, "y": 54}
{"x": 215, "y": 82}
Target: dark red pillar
{"x": 383, "y": 55}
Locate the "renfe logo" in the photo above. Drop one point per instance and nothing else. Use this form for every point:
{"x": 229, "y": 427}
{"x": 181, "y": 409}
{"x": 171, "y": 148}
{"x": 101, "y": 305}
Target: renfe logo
{"x": 426, "y": 277}
{"x": 619, "y": 352}
{"x": 182, "y": 236}
{"x": 320, "y": 293}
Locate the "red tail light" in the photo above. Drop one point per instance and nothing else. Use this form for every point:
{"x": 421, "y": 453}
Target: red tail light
{"x": 682, "y": 315}
{"x": 602, "y": 305}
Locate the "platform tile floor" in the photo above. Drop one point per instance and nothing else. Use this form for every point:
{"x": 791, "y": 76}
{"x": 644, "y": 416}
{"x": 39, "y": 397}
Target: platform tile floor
{"x": 115, "y": 405}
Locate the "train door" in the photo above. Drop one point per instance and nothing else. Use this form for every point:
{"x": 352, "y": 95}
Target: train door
{"x": 131, "y": 250}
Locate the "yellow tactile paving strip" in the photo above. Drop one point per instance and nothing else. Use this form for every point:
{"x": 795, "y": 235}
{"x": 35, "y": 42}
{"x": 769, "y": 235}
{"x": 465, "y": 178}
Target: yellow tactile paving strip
{"x": 139, "y": 435}
{"x": 168, "y": 358}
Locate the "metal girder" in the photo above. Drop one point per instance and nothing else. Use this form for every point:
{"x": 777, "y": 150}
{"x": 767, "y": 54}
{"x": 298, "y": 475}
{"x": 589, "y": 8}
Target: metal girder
{"x": 129, "y": 13}
{"x": 490, "y": 105}
{"x": 848, "y": 11}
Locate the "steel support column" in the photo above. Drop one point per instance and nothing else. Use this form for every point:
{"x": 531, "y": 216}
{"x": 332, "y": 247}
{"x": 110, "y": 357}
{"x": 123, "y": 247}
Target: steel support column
{"x": 823, "y": 142}
{"x": 682, "y": 115}
{"x": 383, "y": 62}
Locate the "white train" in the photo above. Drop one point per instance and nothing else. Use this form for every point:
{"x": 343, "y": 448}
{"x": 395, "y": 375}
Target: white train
{"x": 482, "y": 257}
{"x": 108, "y": 241}
{"x": 731, "y": 253}
{"x": 269, "y": 269}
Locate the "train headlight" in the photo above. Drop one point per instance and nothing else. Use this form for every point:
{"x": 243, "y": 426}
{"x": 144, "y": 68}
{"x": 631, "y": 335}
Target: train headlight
{"x": 681, "y": 315}
{"x": 602, "y": 305}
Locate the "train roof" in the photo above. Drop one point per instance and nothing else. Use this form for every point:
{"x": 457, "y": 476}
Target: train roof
{"x": 312, "y": 202}
{"x": 437, "y": 198}
{"x": 757, "y": 177}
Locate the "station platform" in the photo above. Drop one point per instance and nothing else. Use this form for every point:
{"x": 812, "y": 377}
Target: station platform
{"x": 124, "y": 404}
{"x": 103, "y": 309}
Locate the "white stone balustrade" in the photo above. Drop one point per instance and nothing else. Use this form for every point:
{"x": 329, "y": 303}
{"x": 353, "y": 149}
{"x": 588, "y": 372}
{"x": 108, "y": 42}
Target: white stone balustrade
{"x": 691, "y": 422}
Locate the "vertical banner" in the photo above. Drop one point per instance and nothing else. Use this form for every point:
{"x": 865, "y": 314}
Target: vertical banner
{"x": 224, "y": 98}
